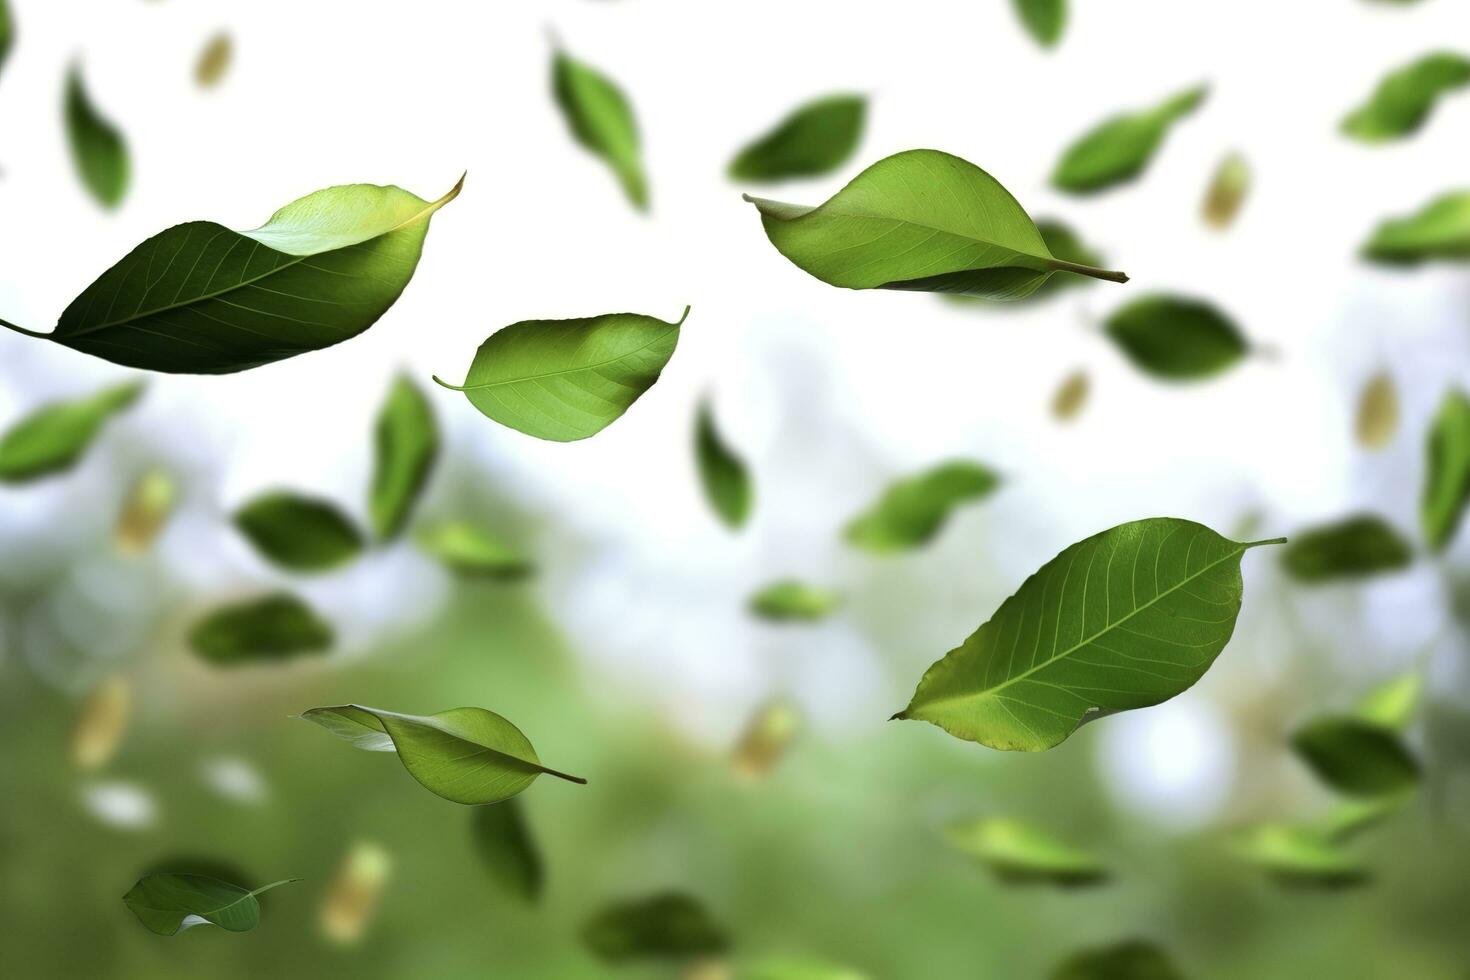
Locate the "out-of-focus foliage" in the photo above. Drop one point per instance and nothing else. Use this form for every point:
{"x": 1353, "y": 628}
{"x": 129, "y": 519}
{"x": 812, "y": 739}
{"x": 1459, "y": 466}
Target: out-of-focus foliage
{"x": 914, "y": 509}
{"x": 55, "y": 436}
{"x": 1045, "y": 20}
{"x": 1354, "y": 547}
{"x": 722, "y": 473}
{"x": 1176, "y": 338}
{"x": 815, "y": 139}
{"x": 300, "y": 533}
{"x": 472, "y": 550}
{"x": 791, "y": 600}
{"x": 1227, "y": 192}
{"x": 1019, "y": 852}
{"x": 1404, "y": 99}
{"x": 1440, "y": 231}
{"x": 98, "y": 149}
{"x": 1447, "y": 479}
{"x": 601, "y": 120}
{"x": 275, "y": 627}
{"x": 1119, "y": 150}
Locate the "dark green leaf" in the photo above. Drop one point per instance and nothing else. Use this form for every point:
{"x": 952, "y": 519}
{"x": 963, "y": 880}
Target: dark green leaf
{"x": 504, "y": 841}
{"x": 912, "y": 511}
{"x": 407, "y": 443}
{"x": 7, "y": 32}
{"x": 722, "y": 473}
{"x": 53, "y": 437}
{"x": 1020, "y": 853}
{"x": 166, "y": 903}
{"x": 1405, "y": 97}
{"x": 466, "y": 755}
{"x": 1231, "y": 183}
{"x": 919, "y": 220}
{"x": 1447, "y": 477}
{"x": 793, "y": 601}
{"x": 274, "y": 628}
{"x": 1134, "y": 959}
{"x": 300, "y": 533}
{"x": 815, "y": 139}
{"x": 1119, "y": 150}
{"x": 601, "y": 120}
{"x": 1044, "y": 19}
{"x": 565, "y": 380}
{"x": 1352, "y": 548}
{"x": 1300, "y": 856}
{"x": 1440, "y": 231}
{"x": 214, "y": 60}
{"x": 1124, "y": 619}
{"x": 471, "y": 550}
{"x": 1176, "y": 338}
{"x": 670, "y": 925}
{"x": 1356, "y": 756}
{"x": 97, "y": 148}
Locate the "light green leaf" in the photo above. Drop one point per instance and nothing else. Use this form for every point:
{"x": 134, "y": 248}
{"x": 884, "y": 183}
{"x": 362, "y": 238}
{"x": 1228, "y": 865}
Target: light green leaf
{"x": 277, "y": 627}
{"x": 601, "y": 120}
{"x": 1440, "y": 231}
{"x": 722, "y": 473}
{"x": 406, "y": 443}
{"x": 1071, "y": 396}
{"x": 1133, "y": 959}
{"x": 1447, "y": 476}
{"x": 214, "y": 60}
{"x": 466, "y": 755}
{"x": 1392, "y": 704}
{"x": 565, "y": 380}
{"x": 145, "y": 512}
{"x": 1299, "y": 856}
{"x": 913, "y": 510}
{"x": 1119, "y": 149}
{"x": 792, "y": 601}
{"x": 202, "y": 299}
{"x": 815, "y": 139}
{"x": 1355, "y": 547}
{"x": 1378, "y": 412}
{"x": 1349, "y": 818}
{"x": 670, "y": 925}
{"x": 767, "y": 735}
{"x": 1227, "y": 191}
{"x": 1018, "y": 852}
{"x": 300, "y": 533}
{"x": 55, "y": 436}
{"x": 97, "y": 147}
{"x": 1176, "y": 338}
{"x": 166, "y": 903}
{"x": 1124, "y": 619}
{"x": 919, "y": 220}
{"x": 1356, "y": 756}
{"x": 798, "y": 968}
{"x": 1405, "y": 97}
{"x": 352, "y": 897}
{"x": 1044, "y": 19}
{"x": 504, "y": 842}
{"x": 472, "y": 551}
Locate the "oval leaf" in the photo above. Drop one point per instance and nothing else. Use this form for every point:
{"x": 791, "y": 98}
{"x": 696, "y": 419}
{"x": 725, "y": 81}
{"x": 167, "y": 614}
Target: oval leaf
{"x": 407, "y": 443}
{"x": 1378, "y": 412}
{"x": 214, "y": 60}
{"x": 722, "y": 473}
{"x": 1119, "y": 149}
{"x": 1356, "y": 756}
{"x": 149, "y": 506}
{"x": 1447, "y": 477}
{"x": 601, "y": 120}
{"x": 1124, "y": 619}
{"x": 1071, "y": 396}
{"x": 1017, "y": 852}
{"x": 1134, "y": 959}
{"x": 1392, "y": 704}
{"x": 503, "y": 839}
{"x": 912, "y": 511}
{"x": 1299, "y": 856}
{"x": 1355, "y": 547}
{"x": 300, "y": 533}
{"x": 670, "y": 925}
{"x": 919, "y": 220}
{"x": 1044, "y": 19}
{"x": 793, "y": 601}
{"x": 1440, "y": 231}
{"x": 815, "y": 139}
{"x": 1231, "y": 183}
{"x": 1176, "y": 338}
{"x": 97, "y": 147}
{"x": 55, "y": 436}
{"x": 274, "y": 628}
{"x": 1405, "y": 97}
{"x": 472, "y": 551}
{"x": 166, "y": 903}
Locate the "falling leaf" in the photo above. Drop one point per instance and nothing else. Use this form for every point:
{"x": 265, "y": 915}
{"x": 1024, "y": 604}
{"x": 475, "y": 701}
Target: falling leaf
{"x": 1176, "y": 338}
{"x": 1349, "y": 818}
{"x": 52, "y": 438}
{"x": 912, "y": 511}
{"x": 274, "y": 628}
{"x": 1119, "y": 149}
{"x": 601, "y": 120}
{"x": 670, "y": 925}
{"x": 1393, "y": 703}
{"x": 1404, "y": 99}
{"x": 145, "y": 512}
{"x": 1447, "y": 480}
{"x": 1228, "y": 189}
{"x": 406, "y": 444}
{"x": 1043, "y": 19}
{"x": 815, "y": 139}
{"x": 790, "y": 600}
{"x": 1020, "y": 853}
{"x": 722, "y": 473}
{"x": 168, "y": 903}
{"x": 97, "y": 147}
{"x": 472, "y": 551}
{"x": 767, "y": 736}
{"x": 1356, "y": 756}
{"x": 101, "y": 723}
{"x": 214, "y": 60}
{"x": 1441, "y": 231}
{"x": 1133, "y": 959}
{"x": 299, "y": 533}
{"x": 1355, "y": 547}
{"x": 7, "y": 32}
{"x": 352, "y": 897}
{"x": 1071, "y": 396}
{"x": 503, "y": 839}
{"x": 1378, "y": 412}
{"x": 1299, "y": 856}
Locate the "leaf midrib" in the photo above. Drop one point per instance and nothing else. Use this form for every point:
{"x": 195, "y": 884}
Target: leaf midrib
{"x": 574, "y": 370}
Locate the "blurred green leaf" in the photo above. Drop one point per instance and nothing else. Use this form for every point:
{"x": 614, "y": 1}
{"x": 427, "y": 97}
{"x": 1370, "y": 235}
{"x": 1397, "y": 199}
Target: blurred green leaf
{"x": 601, "y": 120}
{"x": 1227, "y": 191}
{"x": 471, "y": 550}
{"x": 406, "y": 444}
{"x": 97, "y": 147}
{"x": 55, "y": 436}
{"x": 723, "y": 474}
{"x": 1355, "y": 547}
{"x": 1440, "y": 231}
{"x": 352, "y": 897}
{"x": 1119, "y": 149}
{"x": 793, "y": 968}
{"x": 300, "y": 533}
{"x": 274, "y": 628}
{"x": 1299, "y": 856}
{"x": 1176, "y": 338}
{"x": 1071, "y": 396}
{"x": 1378, "y": 411}
{"x": 670, "y": 925}
{"x": 1088, "y": 635}
{"x": 166, "y": 903}
{"x": 147, "y": 509}
{"x": 1020, "y": 853}
{"x": 1355, "y": 756}
{"x": 1349, "y": 818}
{"x": 7, "y": 32}
{"x": 1447, "y": 473}
{"x": 1403, "y": 100}
{"x": 792, "y": 601}
{"x": 913, "y": 510}
{"x": 1133, "y": 959}
{"x": 1044, "y": 19}
{"x": 102, "y": 721}
{"x": 214, "y": 60}
{"x": 767, "y": 735}
{"x": 1392, "y": 704}
{"x": 919, "y": 220}
{"x": 815, "y": 139}
{"x": 511, "y": 858}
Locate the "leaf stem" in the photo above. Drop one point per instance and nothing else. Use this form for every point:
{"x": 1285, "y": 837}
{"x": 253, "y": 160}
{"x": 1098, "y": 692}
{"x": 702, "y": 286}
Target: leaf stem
{"x": 1257, "y": 544}
{"x": 28, "y": 333}
{"x": 561, "y": 775}
{"x": 684, "y": 316}
{"x": 445, "y": 384}
{"x": 1086, "y": 270}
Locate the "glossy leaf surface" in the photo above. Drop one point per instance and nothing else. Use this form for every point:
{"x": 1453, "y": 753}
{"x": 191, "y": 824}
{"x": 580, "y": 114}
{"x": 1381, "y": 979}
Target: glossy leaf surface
{"x": 1018, "y": 852}
{"x": 670, "y": 925}
{"x": 1447, "y": 477}
{"x": 815, "y": 139}
{"x": 1404, "y": 99}
{"x": 406, "y": 443}
{"x": 722, "y": 473}
{"x": 277, "y": 627}
{"x": 300, "y": 533}
{"x": 913, "y": 510}
{"x": 1356, "y": 547}
{"x": 601, "y": 120}
{"x": 1119, "y": 149}
{"x": 1176, "y": 338}
{"x": 52, "y": 438}
{"x": 166, "y": 903}
{"x": 98, "y": 150}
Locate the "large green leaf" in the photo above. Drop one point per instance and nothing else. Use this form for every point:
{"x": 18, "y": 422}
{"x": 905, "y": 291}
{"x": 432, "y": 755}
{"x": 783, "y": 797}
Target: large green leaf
{"x": 1405, "y": 97}
{"x": 274, "y": 628}
{"x": 722, "y": 473}
{"x": 790, "y": 600}
{"x": 166, "y": 903}
{"x": 503, "y": 839}
{"x": 1124, "y": 619}
{"x": 565, "y": 380}
{"x": 1356, "y": 756}
{"x": 1119, "y": 149}
{"x": 1447, "y": 471}
{"x": 912, "y": 511}
{"x": 1355, "y": 547}
{"x": 670, "y": 925}
{"x": 1063, "y": 243}
{"x": 98, "y": 150}
{"x": 1299, "y": 856}
{"x": 300, "y": 533}
{"x": 1018, "y": 852}
{"x": 55, "y": 436}
{"x": 814, "y": 139}
{"x": 1044, "y": 19}
{"x": 467, "y": 755}
{"x": 601, "y": 120}
{"x": 1440, "y": 231}
{"x": 1227, "y": 191}
{"x": 1176, "y": 338}
{"x": 472, "y": 551}
{"x": 406, "y": 444}
{"x": 1132, "y": 959}
{"x": 919, "y": 220}
{"x": 202, "y": 299}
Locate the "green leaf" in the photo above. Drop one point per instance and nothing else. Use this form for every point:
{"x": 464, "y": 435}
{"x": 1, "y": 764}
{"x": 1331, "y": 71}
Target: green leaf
{"x": 470, "y": 550}
{"x": 274, "y": 628}
{"x": 1127, "y": 618}
{"x": 55, "y": 436}
{"x": 913, "y": 510}
{"x": 352, "y": 897}
{"x": 1392, "y": 704}
{"x": 813, "y": 140}
{"x": 7, "y": 32}
{"x": 1071, "y": 396}
{"x": 1044, "y": 19}
{"x": 722, "y": 473}
{"x": 1299, "y": 856}
{"x": 466, "y": 755}
{"x": 1355, "y": 547}
{"x": 1405, "y": 97}
{"x": 1356, "y": 756}
{"x": 669, "y": 925}
{"x": 1018, "y": 852}
{"x": 1176, "y": 338}
{"x": 1447, "y": 476}
{"x": 407, "y": 443}
{"x": 792, "y": 601}
{"x": 565, "y": 380}
{"x": 166, "y": 903}
{"x": 97, "y": 147}
{"x": 767, "y": 735}
{"x": 147, "y": 509}
{"x": 202, "y": 299}
{"x": 792, "y": 968}
{"x": 1349, "y": 818}
{"x": 300, "y": 533}
{"x": 1119, "y": 149}
{"x": 601, "y": 120}
{"x": 509, "y": 853}
{"x": 214, "y": 60}
{"x": 919, "y": 220}
{"x": 1440, "y": 231}
{"x": 1064, "y": 244}
{"x": 1378, "y": 412}
{"x": 1133, "y": 959}
{"x": 1227, "y": 191}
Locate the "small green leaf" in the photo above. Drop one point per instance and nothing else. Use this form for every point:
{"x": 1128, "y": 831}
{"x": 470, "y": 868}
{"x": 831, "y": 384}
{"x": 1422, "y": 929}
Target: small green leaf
{"x": 601, "y": 120}
{"x": 913, "y": 510}
{"x": 504, "y": 842}
{"x": 1071, "y": 396}
{"x": 565, "y": 380}
{"x": 299, "y": 533}
{"x": 1440, "y": 231}
{"x": 277, "y": 627}
{"x": 1227, "y": 192}
{"x": 97, "y": 148}
{"x": 52, "y": 438}
{"x": 1392, "y": 704}
{"x": 1299, "y": 856}
{"x": 792, "y": 601}
{"x": 919, "y": 220}
{"x": 815, "y": 139}
{"x": 1043, "y": 19}
{"x": 1356, "y": 756}
{"x": 1119, "y": 149}
{"x": 406, "y": 443}
{"x": 1378, "y": 412}
{"x": 1405, "y": 97}
{"x": 1447, "y": 476}
{"x": 722, "y": 473}
{"x": 214, "y": 60}
{"x": 792, "y": 968}
{"x": 166, "y": 903}
{"x": 1355, "y": 547}
{"x": 1176, "y": 338}
{"x": 1125, "y": 619}
{"x": 470, "y": 550}
{"x": 1133, "y": 959}
{"x": 466, "y": 755}
{"x": 1020, "y": 853}
{"x": 670, "y": 925}
{"x": 145, "y": 512}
